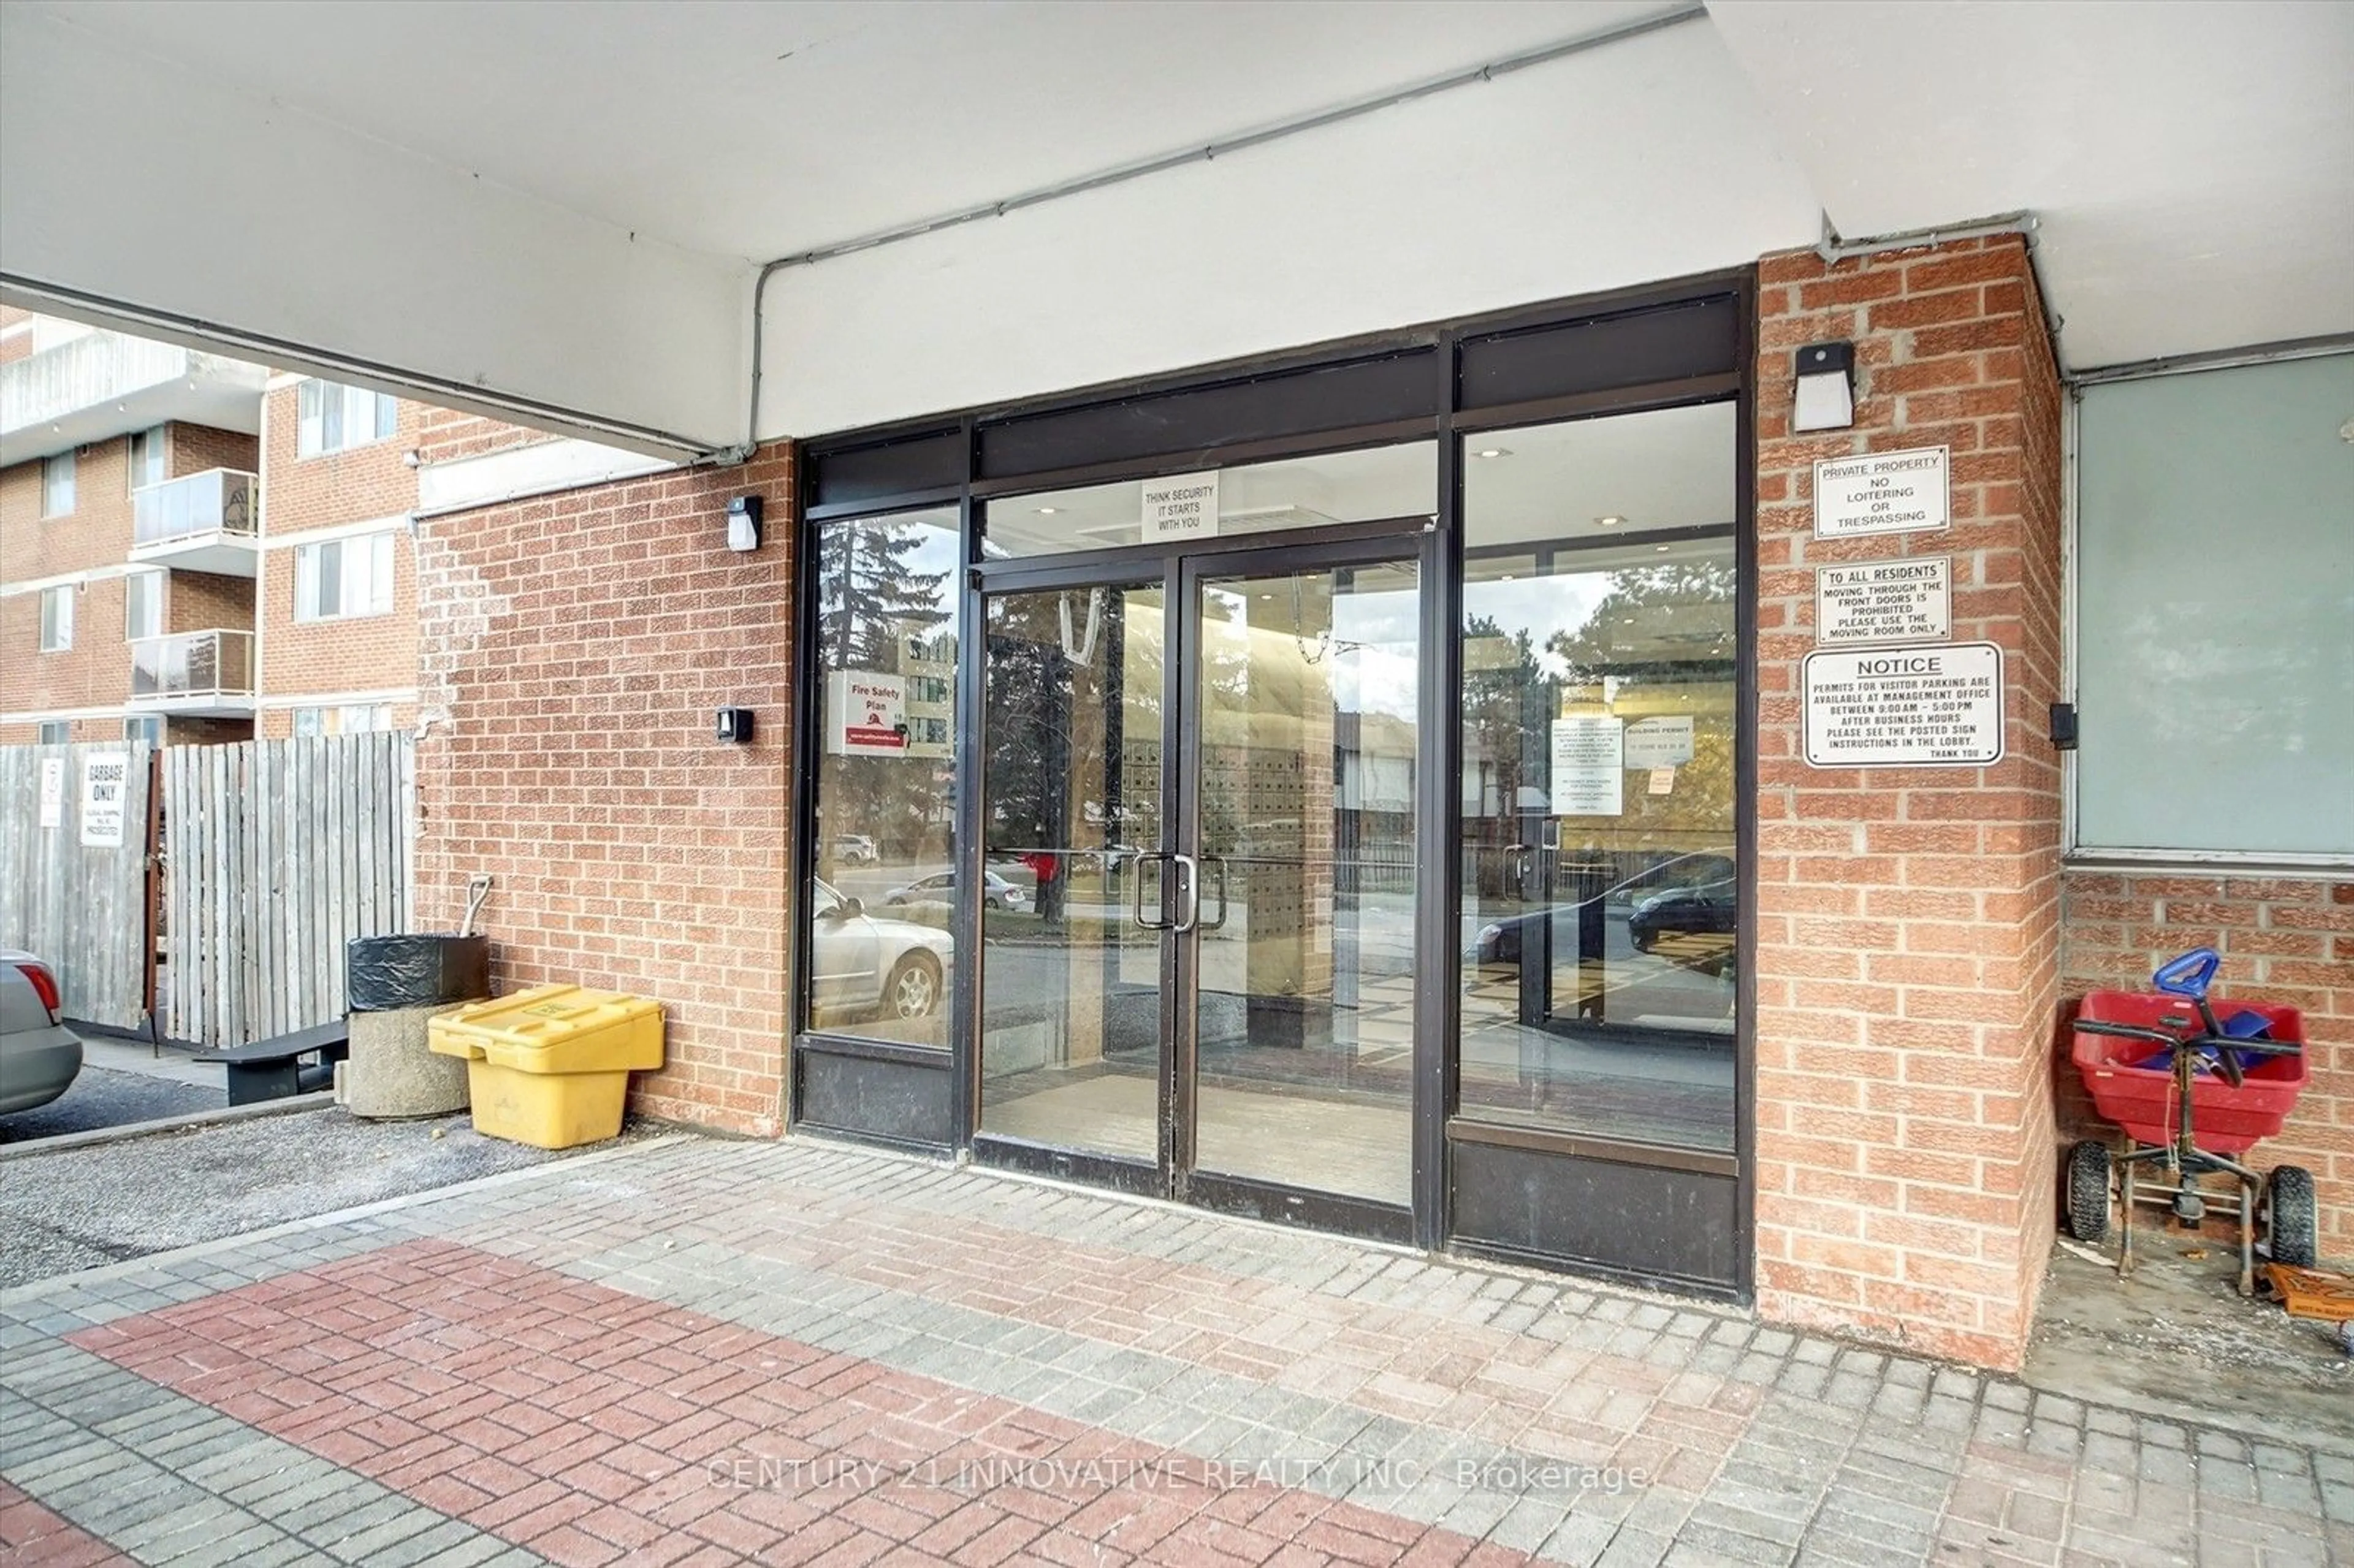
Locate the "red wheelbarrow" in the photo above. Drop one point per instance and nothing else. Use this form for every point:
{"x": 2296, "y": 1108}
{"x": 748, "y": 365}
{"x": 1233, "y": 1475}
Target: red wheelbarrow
{"x": 2192, "y": 1086}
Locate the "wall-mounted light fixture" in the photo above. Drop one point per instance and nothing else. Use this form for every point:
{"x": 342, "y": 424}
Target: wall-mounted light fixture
{"x": 1826, "y": 387}
{"x": 744, "y": 522}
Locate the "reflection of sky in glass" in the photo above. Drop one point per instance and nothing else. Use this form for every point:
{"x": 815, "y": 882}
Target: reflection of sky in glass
{"x": 1375, "y": 667}
{"x": 1542, "y": 606}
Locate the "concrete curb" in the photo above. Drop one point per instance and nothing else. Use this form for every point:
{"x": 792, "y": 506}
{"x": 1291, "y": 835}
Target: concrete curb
{"x": 98, "y": 1136}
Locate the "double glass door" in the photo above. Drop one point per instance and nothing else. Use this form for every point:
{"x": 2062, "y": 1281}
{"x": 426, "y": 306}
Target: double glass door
{"x": 1198, "y": 872}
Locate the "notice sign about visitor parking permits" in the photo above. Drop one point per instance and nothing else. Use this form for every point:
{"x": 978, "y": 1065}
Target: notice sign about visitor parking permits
{"x": 1938, "y": 707}
{"x": 1185, "y": 507}
{"x": 1909, "y": 600}
{"x": 104, "y": 777}
{"x": 1886, "y": 492}
{"x": 869, "y": 714}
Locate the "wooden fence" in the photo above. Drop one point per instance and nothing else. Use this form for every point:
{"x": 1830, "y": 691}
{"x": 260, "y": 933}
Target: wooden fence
{"x": 73, "y": 870}
{"x": 276, "y": 852}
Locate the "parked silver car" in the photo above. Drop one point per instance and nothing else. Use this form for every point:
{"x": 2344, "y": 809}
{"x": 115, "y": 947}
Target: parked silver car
{"x": 864, "y": 962}
{"x": 39, "y": 1056}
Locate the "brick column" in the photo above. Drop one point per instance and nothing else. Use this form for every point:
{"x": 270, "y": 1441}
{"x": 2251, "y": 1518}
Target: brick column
{"x": 572, "y": 650}
{"x": 1908, "y": 918}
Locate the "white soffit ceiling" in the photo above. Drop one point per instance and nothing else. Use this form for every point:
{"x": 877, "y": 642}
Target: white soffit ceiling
{"x": 2192, "y": 165}
{"x": 759, "y": 130}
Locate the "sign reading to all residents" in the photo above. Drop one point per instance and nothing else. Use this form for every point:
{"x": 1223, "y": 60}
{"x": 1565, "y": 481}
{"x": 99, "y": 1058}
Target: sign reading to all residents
{"x": 1185, "y": 507}
{"x": 1589, "y": 767}
{"x": 1664, "y": 742}
{"x": 1886, "y": 492}
{"x": 869, "y": 713}
{"x": 1909, "y": 600}
{"x": 53, "y": 792}
{"x": 105, "y": 775}
{"x": 1938, "y": 707}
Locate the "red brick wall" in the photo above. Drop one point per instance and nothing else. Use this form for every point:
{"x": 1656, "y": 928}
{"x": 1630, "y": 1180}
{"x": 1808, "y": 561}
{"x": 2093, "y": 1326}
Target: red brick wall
{"x": 447, "y": 435}
{"x": 358, "y": 483}
{"x": 573, "y": 650}
{"x": 348, "y": 653}
{"x": 96, "y": 671}
{"x": 193, "y": 449}
{"x": 325, "y": 659}
{"x": 1908, "y": 919}
{"x": 2288, "y": 940}
{"x": 199, "y": 601}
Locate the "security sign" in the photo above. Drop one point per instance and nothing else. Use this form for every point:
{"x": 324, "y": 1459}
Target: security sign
{"x": 868, "y": 714}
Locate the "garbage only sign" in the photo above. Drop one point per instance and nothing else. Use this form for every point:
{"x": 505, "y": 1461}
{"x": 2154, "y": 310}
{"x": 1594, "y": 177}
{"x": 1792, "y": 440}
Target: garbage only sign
{"x": 104, "y": 775}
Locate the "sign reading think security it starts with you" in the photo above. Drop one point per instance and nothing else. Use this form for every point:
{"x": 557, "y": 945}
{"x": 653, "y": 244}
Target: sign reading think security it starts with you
{"x": 1185, "y": 507}
{"x": 1938, "y": 706}
{"x": 1886, "y": 492}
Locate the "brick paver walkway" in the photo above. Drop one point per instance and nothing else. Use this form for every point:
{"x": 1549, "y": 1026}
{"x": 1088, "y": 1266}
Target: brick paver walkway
{"x": 693, "y": 1351}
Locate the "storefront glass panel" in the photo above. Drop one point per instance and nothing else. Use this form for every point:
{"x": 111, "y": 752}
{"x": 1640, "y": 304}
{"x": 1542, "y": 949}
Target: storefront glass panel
{"x": 880, "y": 956}
{"x": 1305, "y": 764}
{"x": 1599, "y": 909}
{"x": 1366, "y": 486}
{"x": 1071, "y": 788}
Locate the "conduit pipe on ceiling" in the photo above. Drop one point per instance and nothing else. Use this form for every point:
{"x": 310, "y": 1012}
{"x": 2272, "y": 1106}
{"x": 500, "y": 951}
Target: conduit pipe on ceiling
{"x": 1120, "y": 174}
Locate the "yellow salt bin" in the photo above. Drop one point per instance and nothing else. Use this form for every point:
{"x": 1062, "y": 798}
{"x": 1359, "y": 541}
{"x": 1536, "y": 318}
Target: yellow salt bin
{"x": 550, "y": 1066}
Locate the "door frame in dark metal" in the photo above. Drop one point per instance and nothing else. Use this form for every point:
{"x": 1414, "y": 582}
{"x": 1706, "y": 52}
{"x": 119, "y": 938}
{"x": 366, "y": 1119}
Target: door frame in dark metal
{"x": 1114, "y": 572}
{"x": 1620, "y": 351}
{"x": 1405, "y": 540}
{"x": 1180, "y": 573}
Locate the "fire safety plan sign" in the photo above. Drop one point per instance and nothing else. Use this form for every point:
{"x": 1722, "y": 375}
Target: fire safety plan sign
{"x": 866, "y": 714}
{"x": 1935, "y": 707}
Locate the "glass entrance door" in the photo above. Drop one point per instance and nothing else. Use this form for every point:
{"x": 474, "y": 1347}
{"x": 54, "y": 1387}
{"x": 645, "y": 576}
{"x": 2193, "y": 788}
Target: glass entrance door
{"x": 1300, "y": 782}
{"x": 1198, "y": 875}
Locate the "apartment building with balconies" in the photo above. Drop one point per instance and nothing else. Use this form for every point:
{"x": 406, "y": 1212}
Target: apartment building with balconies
{"x": 194, "y": 549}
{"x": 129, "y": 536}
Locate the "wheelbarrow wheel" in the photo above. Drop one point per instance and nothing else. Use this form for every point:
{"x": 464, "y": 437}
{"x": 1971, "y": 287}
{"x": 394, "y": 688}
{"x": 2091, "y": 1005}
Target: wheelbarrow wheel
{"x": 2088, "y": 1190}
{"x": 2291, "y": 1219}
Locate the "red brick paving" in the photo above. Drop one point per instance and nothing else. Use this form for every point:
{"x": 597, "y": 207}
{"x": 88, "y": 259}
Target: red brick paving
{"x": 30, "y": 1533}
{"x": 592, "y": 1425}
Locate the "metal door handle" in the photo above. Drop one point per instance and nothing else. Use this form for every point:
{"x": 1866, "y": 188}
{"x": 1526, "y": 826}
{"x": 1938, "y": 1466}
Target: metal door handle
{"x": 1217, "y": 865}
{"x": 1137, "y": 868}
{"x": 1192, "y": 890}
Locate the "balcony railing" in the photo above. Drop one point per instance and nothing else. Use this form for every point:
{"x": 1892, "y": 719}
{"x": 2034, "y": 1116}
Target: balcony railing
{"x": 193, "y": 668}
{"x": 218, "y": 501}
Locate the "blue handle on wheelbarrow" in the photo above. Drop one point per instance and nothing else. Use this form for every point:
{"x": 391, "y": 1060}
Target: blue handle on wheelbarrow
{"x": 2188, "y": 975}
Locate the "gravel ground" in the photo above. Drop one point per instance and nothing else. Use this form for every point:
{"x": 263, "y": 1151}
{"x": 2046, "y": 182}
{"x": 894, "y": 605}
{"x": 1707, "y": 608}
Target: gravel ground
{"x": 79, "y": 1208}
{"x": 101, "y": 1097}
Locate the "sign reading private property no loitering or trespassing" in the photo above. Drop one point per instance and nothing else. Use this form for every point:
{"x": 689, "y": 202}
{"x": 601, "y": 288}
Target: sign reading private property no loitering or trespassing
{"x": 1884, "y": 492}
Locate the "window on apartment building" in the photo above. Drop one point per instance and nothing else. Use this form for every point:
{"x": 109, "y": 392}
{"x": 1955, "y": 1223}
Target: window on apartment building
{"x": 57, "y": 485}
{"x": 56, "y": 732}
{"x": 56, "y": 619}
{"x": 2214, "y": 636}
{"x": 147, "y": 465}
{"x": 149, "y": 728}
{"x": 334, "y": 418}
{"x": 350, "y": 718}
{"x": 344, "y": 577}
{"x": 142, "y": 605}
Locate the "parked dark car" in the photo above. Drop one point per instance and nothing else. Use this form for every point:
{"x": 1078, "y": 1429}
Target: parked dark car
{"x": 1705, "y": 876}
{"x": 1707, "y": 910}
